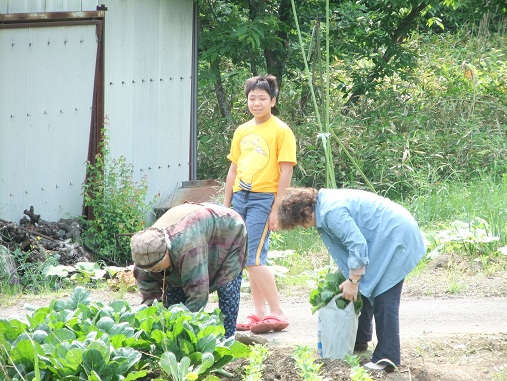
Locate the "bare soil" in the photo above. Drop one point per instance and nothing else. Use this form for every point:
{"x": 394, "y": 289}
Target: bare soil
{"x": 454, "y": 327}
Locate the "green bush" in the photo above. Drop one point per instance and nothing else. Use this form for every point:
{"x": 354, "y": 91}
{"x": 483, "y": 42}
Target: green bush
{"x": 118, "y": 204}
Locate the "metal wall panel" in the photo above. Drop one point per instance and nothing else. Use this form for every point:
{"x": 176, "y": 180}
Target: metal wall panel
{"x": 62, "y": 6}
{"x": 90, "y": 5}
{"x": 30, "y": 6}
{"x": 46, "y": 89}
{"x": 25, "y": 6}
{"x": 148, "y": 88}
{"x": 65, "y": 6}
{"x": 148, "y": 91}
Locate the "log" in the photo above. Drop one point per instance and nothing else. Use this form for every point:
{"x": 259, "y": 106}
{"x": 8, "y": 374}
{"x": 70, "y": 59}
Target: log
{"x": 34, "y": 218}
{"x": 39, "y": 238}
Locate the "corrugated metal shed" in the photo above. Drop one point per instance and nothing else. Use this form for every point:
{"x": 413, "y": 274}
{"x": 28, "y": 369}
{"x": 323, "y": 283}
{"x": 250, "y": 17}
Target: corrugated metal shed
{"x": 47, "y": 99}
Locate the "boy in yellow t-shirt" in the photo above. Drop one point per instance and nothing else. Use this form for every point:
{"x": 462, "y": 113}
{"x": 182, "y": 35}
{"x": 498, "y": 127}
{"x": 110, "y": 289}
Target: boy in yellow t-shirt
{"x": 263, "y": 153}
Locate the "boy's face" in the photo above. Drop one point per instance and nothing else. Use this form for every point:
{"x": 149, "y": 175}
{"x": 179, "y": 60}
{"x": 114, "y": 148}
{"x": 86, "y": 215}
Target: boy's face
{"x": 260, "y": 104}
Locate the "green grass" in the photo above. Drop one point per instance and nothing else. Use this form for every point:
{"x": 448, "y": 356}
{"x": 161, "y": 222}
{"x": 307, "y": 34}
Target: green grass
{"x": 447, "y": 202}
{"x": 299, "y": 239}
{"x": 481, "y": 207}
{"x": 501, "y": 375}
{"x": 466, "y": 221}
{"x": 308, "y": 256}
{"x": 9, "y": 292}
{"x": 456, "y": 288}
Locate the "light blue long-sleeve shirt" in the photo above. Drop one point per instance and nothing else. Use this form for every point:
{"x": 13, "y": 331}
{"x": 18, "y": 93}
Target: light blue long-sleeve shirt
{"x": 360, "y": 229}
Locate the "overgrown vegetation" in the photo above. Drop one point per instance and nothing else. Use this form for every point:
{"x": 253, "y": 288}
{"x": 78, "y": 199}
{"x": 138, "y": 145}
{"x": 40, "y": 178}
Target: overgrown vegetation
{"x": 435, "y": 115}
{"x": 20, "y": 272}
{"x": 118, "y": 203}
{"x": 429, "y": 132}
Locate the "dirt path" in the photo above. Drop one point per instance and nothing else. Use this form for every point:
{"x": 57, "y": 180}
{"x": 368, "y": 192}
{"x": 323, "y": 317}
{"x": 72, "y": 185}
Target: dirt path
{"x": 420, "y": 319}
{"x": 456, "y": 339}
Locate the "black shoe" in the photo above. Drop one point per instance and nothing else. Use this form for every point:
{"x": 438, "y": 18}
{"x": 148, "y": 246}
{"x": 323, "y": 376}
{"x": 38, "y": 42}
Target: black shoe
{"x": 360, "y": 347}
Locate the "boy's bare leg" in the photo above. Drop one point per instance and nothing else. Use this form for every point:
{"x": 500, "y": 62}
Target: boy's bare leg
{"x": 263, "y": 287}
{"x": 257, "y": 296}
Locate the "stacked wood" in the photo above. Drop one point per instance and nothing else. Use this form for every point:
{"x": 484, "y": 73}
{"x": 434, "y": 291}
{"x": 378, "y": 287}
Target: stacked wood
{"x": 40, "y": 238}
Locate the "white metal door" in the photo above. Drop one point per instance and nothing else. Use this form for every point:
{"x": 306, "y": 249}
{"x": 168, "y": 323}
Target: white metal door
{"x": 47, "y": 76}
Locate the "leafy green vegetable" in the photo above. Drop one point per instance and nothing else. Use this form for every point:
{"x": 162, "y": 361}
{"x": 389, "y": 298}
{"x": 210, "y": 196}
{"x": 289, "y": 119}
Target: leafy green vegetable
{"x": 77, "y": 339}
{"x": 327, "y": 288}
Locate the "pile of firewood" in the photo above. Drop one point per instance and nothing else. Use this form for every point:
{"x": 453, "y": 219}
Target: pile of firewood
{"x": 39, "y": 238}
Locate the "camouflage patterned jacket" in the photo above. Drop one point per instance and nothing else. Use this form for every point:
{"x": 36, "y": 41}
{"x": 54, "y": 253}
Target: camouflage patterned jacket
{"x": 208, "y": 250}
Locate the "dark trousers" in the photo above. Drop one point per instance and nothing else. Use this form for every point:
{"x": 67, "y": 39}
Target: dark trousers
{"x": 386, "y": 312}
{"x": 228, "y": 302}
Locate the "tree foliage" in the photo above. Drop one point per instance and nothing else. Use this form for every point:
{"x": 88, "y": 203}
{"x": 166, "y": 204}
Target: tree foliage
{"x": 407, "y": 80}
{"x": 259, "y": 36}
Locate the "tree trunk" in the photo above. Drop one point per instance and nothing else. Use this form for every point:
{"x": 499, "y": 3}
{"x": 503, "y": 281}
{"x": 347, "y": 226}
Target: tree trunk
{"x": 275, "y": 58}
{"x": 223, "y": 105}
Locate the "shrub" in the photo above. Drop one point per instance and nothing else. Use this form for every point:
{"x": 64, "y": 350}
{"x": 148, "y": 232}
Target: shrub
{"x": 118, "y": 206}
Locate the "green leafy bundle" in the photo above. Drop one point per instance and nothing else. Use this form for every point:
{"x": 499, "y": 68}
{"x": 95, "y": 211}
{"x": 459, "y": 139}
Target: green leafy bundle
{"x": 77, "y": 339}
{"x": 327, "y": 288}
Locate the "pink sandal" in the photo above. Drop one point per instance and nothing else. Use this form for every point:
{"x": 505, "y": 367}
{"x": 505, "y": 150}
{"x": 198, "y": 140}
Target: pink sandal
{"x": 268, "y": 324}
{"x": 245, "y": 326}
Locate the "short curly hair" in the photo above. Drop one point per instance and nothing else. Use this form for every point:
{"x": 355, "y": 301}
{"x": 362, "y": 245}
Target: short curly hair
{"x": 297, "y": 207}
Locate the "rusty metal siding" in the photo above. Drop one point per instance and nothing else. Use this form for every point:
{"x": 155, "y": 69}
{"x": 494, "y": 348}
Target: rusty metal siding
{"x": 148, "y": 88}
{"x": 46, "y": 76}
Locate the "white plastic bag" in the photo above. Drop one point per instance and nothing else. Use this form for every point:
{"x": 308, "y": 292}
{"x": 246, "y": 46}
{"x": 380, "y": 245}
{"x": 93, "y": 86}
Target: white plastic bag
{"x": 337, "y": 330}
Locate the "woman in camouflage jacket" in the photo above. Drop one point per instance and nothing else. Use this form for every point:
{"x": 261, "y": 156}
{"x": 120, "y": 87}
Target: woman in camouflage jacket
{"x": 194, "y": 249}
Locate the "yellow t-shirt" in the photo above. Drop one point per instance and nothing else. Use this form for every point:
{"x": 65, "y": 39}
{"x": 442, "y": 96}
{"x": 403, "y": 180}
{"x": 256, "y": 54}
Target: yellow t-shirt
{"x": 257, "y": 151}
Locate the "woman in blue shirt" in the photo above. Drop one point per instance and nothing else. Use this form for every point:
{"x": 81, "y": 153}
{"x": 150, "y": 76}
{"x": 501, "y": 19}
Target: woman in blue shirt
{"x": 376, "y": 243}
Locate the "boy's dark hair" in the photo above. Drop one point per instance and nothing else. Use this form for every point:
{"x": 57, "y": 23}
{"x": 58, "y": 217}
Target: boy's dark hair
{"x": 267, "y": 83}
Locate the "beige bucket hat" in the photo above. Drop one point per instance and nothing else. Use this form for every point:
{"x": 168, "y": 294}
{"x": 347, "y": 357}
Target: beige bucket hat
{"x": 149, "y": 247}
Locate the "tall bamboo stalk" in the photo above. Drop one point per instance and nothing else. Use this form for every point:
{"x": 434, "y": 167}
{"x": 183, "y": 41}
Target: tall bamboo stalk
{"x": 325, "y": 132}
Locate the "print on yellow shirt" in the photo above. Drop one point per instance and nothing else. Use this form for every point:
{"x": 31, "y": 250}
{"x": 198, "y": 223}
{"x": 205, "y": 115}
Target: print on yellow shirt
{"x": 257, "y": 155}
